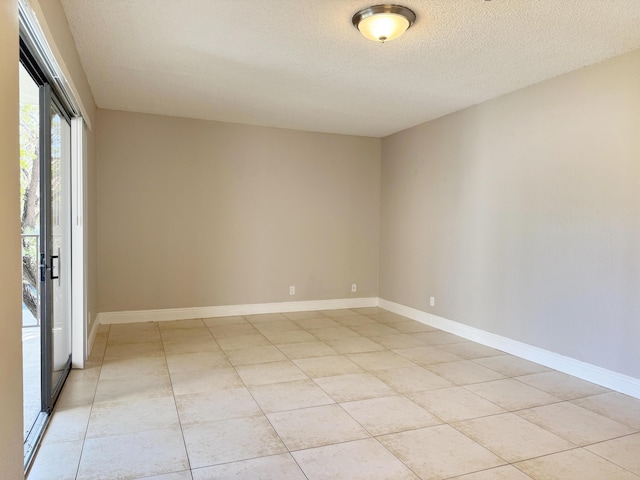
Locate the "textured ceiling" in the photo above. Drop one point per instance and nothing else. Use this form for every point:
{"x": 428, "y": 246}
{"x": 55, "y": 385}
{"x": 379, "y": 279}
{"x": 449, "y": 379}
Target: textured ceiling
{"x": 301, "y": 64}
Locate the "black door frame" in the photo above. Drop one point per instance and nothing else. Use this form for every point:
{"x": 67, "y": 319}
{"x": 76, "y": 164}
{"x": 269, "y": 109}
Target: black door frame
{"x": 48, "y": 102}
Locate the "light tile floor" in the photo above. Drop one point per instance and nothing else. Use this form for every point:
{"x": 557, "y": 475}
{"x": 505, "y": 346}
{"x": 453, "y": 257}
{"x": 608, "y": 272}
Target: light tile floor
{"x": 341, "y": 394}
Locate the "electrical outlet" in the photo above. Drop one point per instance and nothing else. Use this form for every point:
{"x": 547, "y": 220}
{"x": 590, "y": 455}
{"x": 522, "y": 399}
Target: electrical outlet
{"x": 292, "y": 290}
{"x": 354, "y": 287}
{"x": 432, "y": 301}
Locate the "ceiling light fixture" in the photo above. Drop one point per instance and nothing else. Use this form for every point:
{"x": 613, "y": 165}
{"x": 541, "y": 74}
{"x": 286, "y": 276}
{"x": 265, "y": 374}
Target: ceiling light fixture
{"x": 383, "y": 23}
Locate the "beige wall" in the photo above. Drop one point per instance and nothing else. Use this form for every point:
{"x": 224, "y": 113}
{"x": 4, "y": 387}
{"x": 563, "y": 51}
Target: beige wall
{"x": 10, "y": 274}
{"x": 522, "y": 215}
{"x": 195, "y": 213}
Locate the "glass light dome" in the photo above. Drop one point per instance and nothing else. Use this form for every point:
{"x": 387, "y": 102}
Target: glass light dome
{"x": 383, "y": 23}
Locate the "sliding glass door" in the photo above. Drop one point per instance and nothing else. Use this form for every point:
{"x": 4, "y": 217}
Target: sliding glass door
{"x": 55, "y": 245}
{"x": 45, "y": 160}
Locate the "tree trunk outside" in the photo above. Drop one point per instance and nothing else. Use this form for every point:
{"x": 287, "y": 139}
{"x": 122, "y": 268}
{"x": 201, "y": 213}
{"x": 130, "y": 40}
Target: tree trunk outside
{"x": 31, "y": 195}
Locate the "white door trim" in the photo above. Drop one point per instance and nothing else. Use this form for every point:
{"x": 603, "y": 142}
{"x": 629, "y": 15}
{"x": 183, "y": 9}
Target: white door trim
{"x": 78, "y": 240}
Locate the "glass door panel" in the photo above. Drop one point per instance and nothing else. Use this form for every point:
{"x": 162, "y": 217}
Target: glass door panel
{"x": 30, "y": 230}
{"x": 60, "y": 252}
{"x": 55, "y": 247}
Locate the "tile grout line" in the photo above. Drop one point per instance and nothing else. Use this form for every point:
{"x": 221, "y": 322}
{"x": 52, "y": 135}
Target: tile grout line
{"x": 175, "y": 403}
{"x": 246, "y": 386}
{"x": 86, "y": 432}
{"x": 370, "y": 371}
{"x": 608, "y": 460}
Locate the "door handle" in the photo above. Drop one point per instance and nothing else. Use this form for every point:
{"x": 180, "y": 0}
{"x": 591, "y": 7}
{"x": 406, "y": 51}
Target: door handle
{"x": 57, "y": 257}
{"x": 44, "y": 267}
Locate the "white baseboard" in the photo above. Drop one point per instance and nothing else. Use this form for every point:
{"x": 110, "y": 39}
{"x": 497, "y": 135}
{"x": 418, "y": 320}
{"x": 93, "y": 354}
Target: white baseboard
{"x": 592, "y": 373}
{"x": 231, "y": 310}
{"x": 92, "y": 334}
